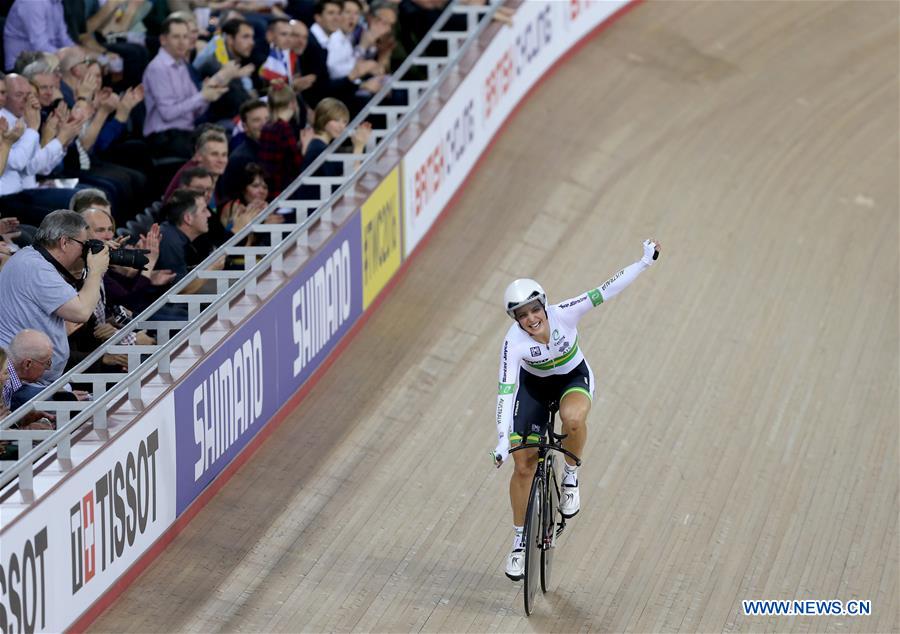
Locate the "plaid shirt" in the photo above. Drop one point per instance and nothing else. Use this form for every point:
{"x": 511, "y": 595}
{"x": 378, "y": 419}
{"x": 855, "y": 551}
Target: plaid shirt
{"x": 12, "y": 385}
{"x": 280, "y": 155}
{"x": 100, "y": 316}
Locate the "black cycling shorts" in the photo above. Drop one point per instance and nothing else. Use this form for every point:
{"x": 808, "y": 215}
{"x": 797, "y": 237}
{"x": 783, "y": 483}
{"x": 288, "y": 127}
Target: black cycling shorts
{"x": 534, "y": 394}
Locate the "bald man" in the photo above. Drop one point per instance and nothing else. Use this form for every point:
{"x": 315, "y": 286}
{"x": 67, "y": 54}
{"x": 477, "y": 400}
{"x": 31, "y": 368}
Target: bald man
{"x": 30, "y": 356}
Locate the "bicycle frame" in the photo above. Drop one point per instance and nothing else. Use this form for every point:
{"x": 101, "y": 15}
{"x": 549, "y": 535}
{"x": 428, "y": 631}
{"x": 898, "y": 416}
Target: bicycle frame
{"x": 541, "y": 527}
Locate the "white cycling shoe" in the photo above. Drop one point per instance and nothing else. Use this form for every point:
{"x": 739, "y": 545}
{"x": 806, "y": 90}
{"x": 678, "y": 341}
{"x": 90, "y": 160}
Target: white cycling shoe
{"x": 515, "y": 564}
{"x": 570, "y": 502}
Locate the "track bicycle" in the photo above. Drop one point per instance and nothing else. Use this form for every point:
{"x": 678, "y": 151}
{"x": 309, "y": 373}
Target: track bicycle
{"x": 543, "y": 521}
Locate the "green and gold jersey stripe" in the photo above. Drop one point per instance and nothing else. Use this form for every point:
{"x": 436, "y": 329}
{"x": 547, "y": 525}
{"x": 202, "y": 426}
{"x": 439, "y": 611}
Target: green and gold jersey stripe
{"x": 558, "y": 361}
{"x": 516, "y": 439}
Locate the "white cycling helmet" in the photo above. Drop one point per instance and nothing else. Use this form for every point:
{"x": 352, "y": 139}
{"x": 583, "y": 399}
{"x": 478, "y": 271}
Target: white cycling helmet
{"x": 523, "y": 291}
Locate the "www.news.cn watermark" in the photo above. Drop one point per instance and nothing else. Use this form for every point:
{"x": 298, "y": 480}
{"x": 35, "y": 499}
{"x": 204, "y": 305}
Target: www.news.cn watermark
{"x": 810, "y": 607}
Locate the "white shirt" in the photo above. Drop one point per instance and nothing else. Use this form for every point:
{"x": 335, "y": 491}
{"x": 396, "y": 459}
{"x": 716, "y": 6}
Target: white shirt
{"x": 341, "y": 56}
{"x": 319, "y": 33}
{"x": 27, "y": 159}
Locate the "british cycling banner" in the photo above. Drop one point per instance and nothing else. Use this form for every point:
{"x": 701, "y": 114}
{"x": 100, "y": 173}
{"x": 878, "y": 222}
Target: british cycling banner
{"x": 438, "y": 163}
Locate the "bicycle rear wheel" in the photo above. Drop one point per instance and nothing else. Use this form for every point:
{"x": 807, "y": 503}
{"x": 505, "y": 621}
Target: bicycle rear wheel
{"x": 548, "y": 525}
{"x": 534, "y": 535}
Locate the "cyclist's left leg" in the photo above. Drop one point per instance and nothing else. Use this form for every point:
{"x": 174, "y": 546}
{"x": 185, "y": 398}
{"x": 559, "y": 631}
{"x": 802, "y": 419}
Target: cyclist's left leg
{"x": 574, "y": 407}
{"x": 573, "y": 410}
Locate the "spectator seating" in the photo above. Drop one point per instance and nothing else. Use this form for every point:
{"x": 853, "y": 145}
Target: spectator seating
{"x": 203, "y": 197}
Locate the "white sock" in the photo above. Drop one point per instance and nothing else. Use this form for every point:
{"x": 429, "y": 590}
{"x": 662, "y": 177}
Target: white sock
{"x": 517, "y": 539}
{"x": 570, "y": 475}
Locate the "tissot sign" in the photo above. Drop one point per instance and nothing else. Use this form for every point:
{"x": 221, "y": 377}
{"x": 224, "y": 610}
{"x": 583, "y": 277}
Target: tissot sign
{"x": 58, "y": 559}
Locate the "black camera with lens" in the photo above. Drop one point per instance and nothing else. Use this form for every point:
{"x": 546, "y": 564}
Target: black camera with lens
{"x": 129, "y": 258}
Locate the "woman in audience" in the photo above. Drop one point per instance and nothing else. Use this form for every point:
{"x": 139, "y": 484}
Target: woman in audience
{"x": 331, "y": 118}
{"x": 251, "y": 195}
{"x": 280, "y": 149}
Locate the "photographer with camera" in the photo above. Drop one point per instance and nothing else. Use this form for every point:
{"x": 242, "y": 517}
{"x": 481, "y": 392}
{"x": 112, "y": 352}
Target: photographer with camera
{"x": 126, "y": 289}
{"x": 107, "y": 318}
{"x": 86, "y": 337}
{"x": 39, "y": 292}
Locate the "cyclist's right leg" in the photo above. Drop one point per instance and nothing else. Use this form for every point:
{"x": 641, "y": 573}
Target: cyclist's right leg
{"x": 528, "y": 415}
{"x": 525, "y": 462}
{"x": 524, "y": 466}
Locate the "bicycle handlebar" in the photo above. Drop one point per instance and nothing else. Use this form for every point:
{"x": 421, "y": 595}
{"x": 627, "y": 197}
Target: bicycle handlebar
{"x": 545, "y": 445}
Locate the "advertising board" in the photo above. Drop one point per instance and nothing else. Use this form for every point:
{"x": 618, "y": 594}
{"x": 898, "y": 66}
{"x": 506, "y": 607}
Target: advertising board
{"x": 382, "y": 252}
{"x": 225, "y": 401}
{"x": 58, "y": 559}
{"x": 438, "y": 163}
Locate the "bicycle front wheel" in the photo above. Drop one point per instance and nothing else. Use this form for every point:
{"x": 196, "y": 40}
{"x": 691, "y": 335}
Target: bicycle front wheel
{"x": 534, "y": 536}
{"x": 548, "y": 524}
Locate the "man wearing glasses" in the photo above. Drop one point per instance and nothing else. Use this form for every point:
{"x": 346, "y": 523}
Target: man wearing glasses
{"x": 39, "y": 292}
{"x": 30, "y": 356}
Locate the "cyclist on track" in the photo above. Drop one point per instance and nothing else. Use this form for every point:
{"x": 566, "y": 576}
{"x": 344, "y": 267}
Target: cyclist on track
{"x": 541, "y": 362}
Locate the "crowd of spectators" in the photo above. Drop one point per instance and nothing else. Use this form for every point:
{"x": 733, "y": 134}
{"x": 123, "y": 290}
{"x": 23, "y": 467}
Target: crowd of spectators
{"x": 163, "y": 126}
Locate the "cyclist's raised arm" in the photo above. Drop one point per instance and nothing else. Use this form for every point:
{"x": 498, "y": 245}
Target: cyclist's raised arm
{"x": 617, "y": 283}
{"x": 509, "y": 373}
{"x": 574, "y": 308}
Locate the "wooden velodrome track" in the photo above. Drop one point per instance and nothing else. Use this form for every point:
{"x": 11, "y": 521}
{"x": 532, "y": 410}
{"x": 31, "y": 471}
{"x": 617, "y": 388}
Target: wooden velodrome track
{"x": 744, "y": 439}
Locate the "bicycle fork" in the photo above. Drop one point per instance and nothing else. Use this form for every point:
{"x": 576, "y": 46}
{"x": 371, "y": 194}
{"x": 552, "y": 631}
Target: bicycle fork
{"x": 555, "y": 525}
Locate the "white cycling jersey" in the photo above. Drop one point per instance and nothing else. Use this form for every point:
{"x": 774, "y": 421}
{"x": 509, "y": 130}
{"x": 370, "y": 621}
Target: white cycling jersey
{"x": 561, "y": 355}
